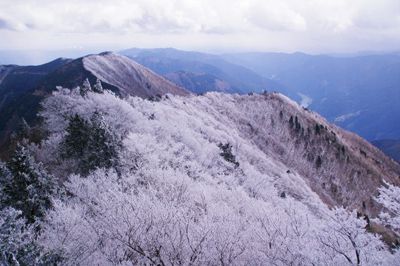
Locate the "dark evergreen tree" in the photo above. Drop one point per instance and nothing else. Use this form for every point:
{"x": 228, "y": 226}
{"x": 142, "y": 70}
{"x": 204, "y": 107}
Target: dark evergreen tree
{"x": 76, "y": 140}
{"x": 26, "y": 186}
{"x": 91, "y": 143}
{"x": 291, "y": 123}
{"x": 297, "y": 124}
{"x": 23, "y": 130}
{"x": 85, "y": 87}
{"x": 102, "y": 145}
{"x": 318, "y": 162}
{"x": 17, "y": 245}
{"x": 227, "y": 153}
{"x": 98, "y": 88}
{"x": 5, "y": 178}
{"x": 317, "y": 129}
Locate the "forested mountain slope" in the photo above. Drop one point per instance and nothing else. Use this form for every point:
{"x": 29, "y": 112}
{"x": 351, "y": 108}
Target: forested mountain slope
{"x": 23, "y": 88}
{"x": 217, "y": 179}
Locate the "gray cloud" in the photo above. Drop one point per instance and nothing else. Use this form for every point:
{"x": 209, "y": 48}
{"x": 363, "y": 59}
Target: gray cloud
{"x": 310, "y": 25}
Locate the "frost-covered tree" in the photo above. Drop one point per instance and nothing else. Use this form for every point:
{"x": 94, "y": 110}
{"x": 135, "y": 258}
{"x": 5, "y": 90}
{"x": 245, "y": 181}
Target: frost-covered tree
{"x": 98, "y": 88}
{"x": 177, "y": 197}
{"x": 17, "y": 246}
{"x": 25, "y": 185}
{"x": 389, "y": 197}
{"x": 86, "y": 87}
{"x": 344, "y": 239}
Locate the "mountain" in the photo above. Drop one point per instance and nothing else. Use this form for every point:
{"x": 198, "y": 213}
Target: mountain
{"x": 202, "y": 72}
{"x": 211, "y": 179}
{"x": 359, "y": 93}
{"x": 128, "y": 76}
{"x": 342, "y": 168}
{"x": 23, "y": 88}
{"x": 16, "y": 85}
{"x": 200, "y": 82}
{"x": 15, "y": 80}
{"x": 233, "y": 179}
{"x": 389, "y": 146}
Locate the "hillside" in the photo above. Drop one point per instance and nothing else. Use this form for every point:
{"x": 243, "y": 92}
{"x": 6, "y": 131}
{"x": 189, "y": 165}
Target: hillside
{"x": 209, "y": 179}
{"x": 128, "y": 76}
{"x": 200, "y": 82}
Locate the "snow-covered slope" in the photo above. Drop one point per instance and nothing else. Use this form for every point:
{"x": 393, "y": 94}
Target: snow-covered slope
{"x": 291, "y": 142}
{"x": 341, "y": 167}
{"x": 130, "y": 77}
{"x": 178, "y": 197}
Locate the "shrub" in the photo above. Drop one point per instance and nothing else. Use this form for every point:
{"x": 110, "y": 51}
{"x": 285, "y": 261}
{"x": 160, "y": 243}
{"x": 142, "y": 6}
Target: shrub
{"x": 227, "y": 153}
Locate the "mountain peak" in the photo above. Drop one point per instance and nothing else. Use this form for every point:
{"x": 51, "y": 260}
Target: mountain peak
{"x": 128, "y": 76}
{"x": 106, "y": 53}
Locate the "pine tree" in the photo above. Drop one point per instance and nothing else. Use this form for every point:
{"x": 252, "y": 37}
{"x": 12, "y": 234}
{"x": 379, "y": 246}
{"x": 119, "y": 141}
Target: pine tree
{"x": 17, "y": 245}
{"x": 98, "y": 88}
{"x": 77, "y": 137}
{"x": 227, "y": 153}
{"x": 5, "y": 178}
{"x": 91, "y": 143}
{"x": 26, "y": 186}
{"x": 85, "y": 87}
{"x": 291, "y": 123}
{"x": 23, "y": 129}
{"x": 101, "y": 145}
{"x": 318, "y": 162}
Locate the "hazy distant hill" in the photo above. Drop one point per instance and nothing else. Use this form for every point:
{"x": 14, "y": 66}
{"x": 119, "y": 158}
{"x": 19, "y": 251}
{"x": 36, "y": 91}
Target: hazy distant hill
{"x": 359, "y": 93}
{"x": 201, "y": 71}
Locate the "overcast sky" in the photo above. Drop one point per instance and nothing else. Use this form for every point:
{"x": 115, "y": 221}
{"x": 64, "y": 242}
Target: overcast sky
{"x": 313, "y": 26}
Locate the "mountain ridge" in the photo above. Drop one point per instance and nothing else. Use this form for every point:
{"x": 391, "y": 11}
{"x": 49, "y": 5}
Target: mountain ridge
{"x": 358, "y": 93}
{"x": 25, "y": 103}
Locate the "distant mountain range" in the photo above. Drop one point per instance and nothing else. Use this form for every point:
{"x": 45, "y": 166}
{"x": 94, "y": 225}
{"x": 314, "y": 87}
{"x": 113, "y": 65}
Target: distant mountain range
{"x": 201, "y": 72}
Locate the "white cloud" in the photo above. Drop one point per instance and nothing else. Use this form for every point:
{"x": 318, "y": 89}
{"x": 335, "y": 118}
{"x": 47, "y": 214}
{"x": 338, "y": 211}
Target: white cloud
{"x": 288, "y": 25}
{"x": 275, "y": 16}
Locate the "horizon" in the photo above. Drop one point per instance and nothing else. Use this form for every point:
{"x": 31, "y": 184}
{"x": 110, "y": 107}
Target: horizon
{"x": 38, "y": 57}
